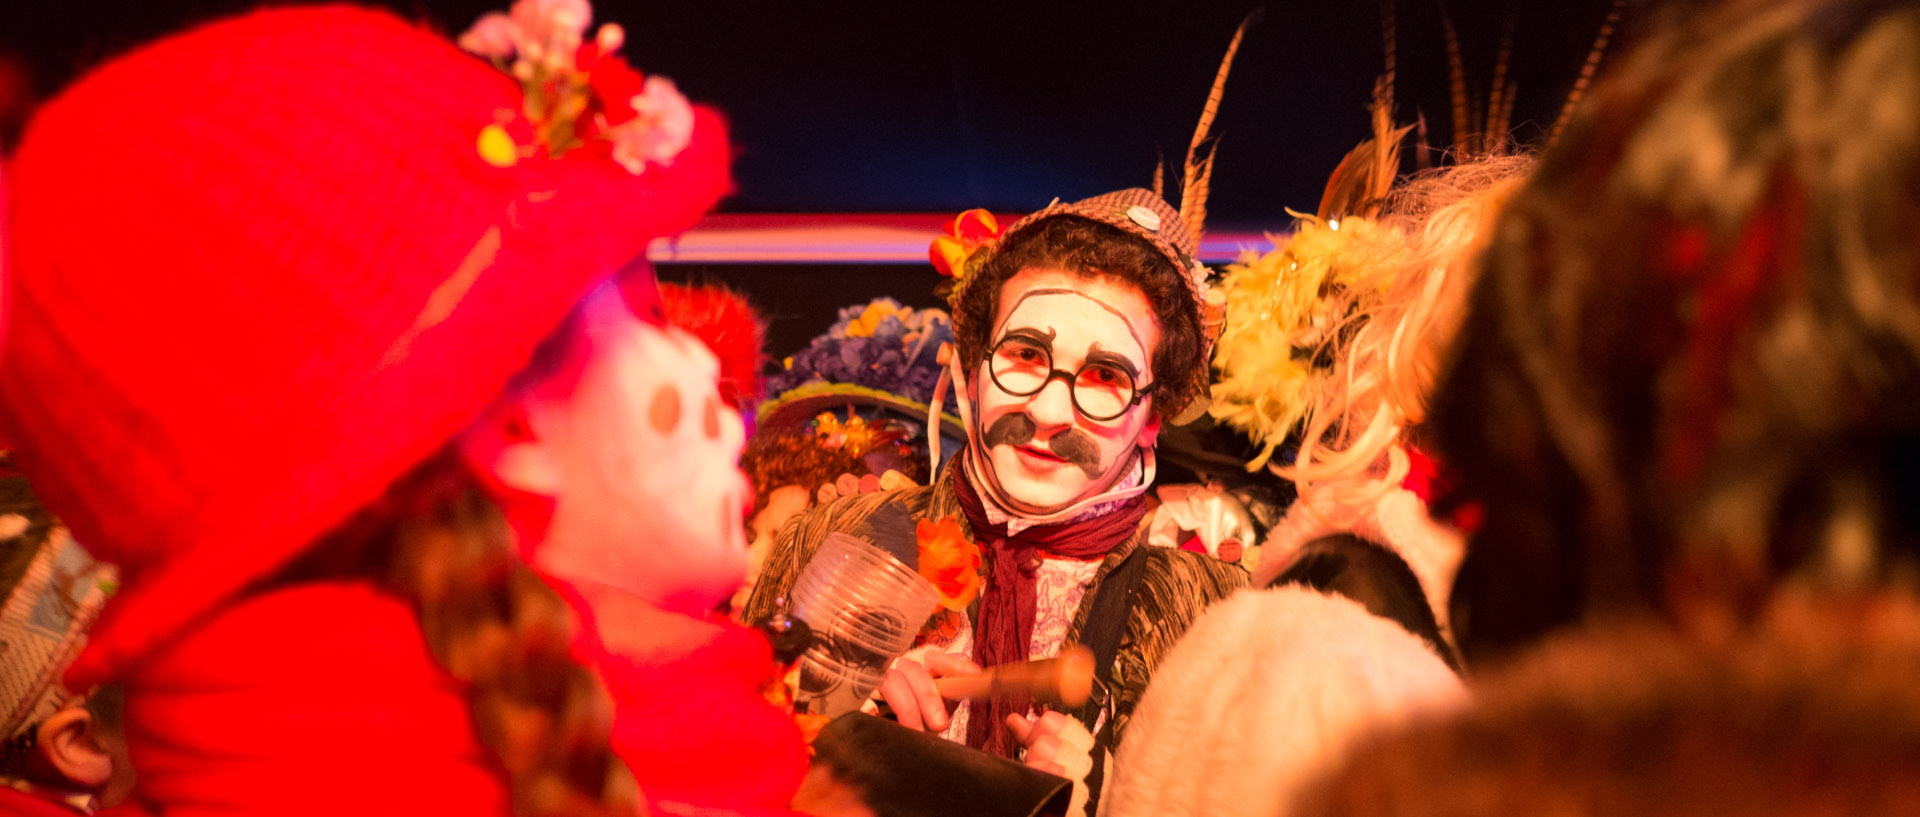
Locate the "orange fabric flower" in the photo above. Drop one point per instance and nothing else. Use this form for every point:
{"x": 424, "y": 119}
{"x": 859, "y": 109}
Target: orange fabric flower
{"x": 966, "y": 233}
{"x": 949, "y": 561}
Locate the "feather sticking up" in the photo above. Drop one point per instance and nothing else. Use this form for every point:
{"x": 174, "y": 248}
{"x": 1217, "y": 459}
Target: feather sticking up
{"x": 1365, "y": 174}
{"x": 1422, "y": 146}
{"x": 1496, "y": 98}
{"x": 1193, "y": 208}
{"x": 1500, "y": 99}
{"x": 1386, "y": 152}
{"x": 1457, "y": 86}
{"x": 1587, "y": 70}
{"x": 1503, "y": 123}
{"x": 1198, "y": 176}
{"x": 1390, "y": 42}
{"x": 1386, "y": 158}
{"x": 1160, "y": 176}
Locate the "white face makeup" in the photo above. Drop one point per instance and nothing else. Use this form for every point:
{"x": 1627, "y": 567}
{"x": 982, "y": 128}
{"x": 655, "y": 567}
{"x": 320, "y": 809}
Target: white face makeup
{"x": 650, "y": 499}
{"x": 1064, "y": 335}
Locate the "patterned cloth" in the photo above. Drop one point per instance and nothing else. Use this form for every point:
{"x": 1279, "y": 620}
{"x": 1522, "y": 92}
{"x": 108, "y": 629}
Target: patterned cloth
{"x": 52, "y": 590}
{"x": 1059, "y": 587}
{"x": 1175, "y": 588}
{"x": 1005, "y": 612}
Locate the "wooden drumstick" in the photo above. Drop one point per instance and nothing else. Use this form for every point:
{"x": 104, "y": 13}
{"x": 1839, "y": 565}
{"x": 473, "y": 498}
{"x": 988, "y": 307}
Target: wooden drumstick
{"x": 1067, "y": 679}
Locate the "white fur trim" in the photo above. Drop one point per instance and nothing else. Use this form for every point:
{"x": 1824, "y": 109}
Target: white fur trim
{"x": 1076, "y": 759}
{"x": 1397, "y": 520}
{"x": 1263, "y": 695}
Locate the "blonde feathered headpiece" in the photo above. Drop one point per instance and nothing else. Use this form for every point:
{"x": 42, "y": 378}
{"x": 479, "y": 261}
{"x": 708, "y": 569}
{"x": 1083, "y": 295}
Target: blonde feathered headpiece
{"x": 1286, "y": 308}
{"x": 1297, "y": 345}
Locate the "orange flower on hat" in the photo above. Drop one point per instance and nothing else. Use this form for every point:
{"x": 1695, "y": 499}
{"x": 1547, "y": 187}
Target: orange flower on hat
{"x": 949, "y": 561}
{"x": 966, "y": 233}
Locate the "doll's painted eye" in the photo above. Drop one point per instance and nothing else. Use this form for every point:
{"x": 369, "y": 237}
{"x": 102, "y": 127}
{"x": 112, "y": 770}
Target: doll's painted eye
{"x": 664, "y": 412}
{"x": 711, "y": 422}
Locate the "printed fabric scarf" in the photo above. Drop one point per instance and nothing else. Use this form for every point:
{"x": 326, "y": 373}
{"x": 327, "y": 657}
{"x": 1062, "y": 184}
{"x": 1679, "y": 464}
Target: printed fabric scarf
{"x": 1004, "y": 631}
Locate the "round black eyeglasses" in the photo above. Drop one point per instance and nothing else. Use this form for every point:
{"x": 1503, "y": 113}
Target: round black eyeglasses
{"x": 1101, "y": 391}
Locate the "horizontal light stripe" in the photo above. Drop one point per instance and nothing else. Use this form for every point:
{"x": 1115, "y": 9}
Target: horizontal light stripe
{"x": 858, "y": 238}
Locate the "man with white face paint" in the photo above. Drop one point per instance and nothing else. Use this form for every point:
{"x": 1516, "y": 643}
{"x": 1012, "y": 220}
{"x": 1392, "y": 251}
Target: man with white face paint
{"x": 1078, "y": 332}
{"x": 1100, "y": 332}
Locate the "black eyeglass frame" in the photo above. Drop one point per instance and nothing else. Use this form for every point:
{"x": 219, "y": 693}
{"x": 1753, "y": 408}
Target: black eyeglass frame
{"x": 1073, "y": 394}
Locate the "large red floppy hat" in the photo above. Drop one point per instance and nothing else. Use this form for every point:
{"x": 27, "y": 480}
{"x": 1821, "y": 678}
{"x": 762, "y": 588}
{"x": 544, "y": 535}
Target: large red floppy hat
{"x": 264, "y": 267}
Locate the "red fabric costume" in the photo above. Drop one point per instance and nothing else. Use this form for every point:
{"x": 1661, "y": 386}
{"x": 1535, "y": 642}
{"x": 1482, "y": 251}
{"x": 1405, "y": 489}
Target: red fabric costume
{"x": 691, "y": 718}
{"x": 237, "y": 713}
{"x": 23, "y": 804}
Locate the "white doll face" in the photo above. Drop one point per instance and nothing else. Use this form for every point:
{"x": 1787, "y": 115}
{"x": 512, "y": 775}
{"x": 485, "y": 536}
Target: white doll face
{"x": 648, "y": 494}
{"x": 1064, "y": 334}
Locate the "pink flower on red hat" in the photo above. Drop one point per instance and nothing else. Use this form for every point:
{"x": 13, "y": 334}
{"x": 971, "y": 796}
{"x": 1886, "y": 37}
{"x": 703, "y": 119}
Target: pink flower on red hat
{"x": 536, "y": 15}
{"x": 551, "y": 30}
{"x": 660, "y": 128}
{"x": 494, "y": 35}
{"x": 578, "y": 93}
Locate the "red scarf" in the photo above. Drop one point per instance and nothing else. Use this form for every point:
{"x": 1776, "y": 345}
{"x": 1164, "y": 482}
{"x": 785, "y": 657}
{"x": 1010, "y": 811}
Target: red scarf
{"x": 1004, "y": 631}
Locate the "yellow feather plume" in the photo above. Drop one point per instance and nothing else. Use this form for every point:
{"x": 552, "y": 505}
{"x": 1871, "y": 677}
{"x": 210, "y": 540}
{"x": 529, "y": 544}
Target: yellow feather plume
{"x": 1286, "y": 305}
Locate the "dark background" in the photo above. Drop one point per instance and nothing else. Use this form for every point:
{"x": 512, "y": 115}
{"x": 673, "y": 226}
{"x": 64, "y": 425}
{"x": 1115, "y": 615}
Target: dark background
{"x": 941, "y": 106}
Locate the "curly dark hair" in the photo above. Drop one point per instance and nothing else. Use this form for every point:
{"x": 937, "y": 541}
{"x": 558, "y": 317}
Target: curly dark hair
{"x": 1092, "y": 249}
{"x": 1692, "y": 363}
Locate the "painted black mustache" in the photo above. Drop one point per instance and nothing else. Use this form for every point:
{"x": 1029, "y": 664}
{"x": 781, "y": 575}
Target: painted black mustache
{"x": 1072, "y": 445}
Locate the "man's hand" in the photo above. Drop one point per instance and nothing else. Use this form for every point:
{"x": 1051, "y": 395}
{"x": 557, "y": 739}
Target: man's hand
{"x": 909, "y": 689}
{"x": 1058, "y": 745}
